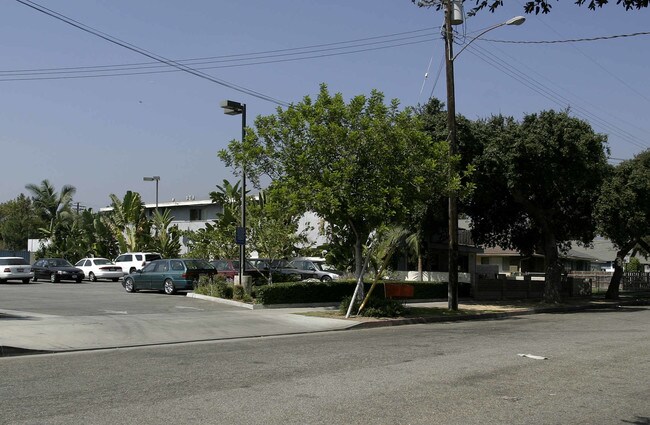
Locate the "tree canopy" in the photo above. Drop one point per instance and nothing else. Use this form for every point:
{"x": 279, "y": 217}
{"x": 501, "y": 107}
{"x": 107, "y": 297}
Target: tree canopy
{"x": 537, "y": 182}
{"x": 356, "y": 165}
{"x": 538, "y": 6}
{"x": 623, "y": 211}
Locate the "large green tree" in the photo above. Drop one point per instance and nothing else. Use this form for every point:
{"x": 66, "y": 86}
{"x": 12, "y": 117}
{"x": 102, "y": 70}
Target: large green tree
{"x": 357, "y": 165}
{"x": 18, "y": 222}
{"x": 623, "y": 211}
{"x": 537, "y": 182}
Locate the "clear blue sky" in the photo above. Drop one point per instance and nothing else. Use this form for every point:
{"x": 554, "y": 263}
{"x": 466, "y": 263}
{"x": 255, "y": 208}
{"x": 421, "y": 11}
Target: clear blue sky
{"x": 103, "y": 134}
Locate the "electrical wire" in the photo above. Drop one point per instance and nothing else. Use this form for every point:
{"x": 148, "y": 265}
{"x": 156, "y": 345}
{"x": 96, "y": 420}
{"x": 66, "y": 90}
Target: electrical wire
{"x": 149, "y": 54}
{"x": 54, "y": 75}
{"x": 553, "y": 96}
{"x": 571, "y": 40}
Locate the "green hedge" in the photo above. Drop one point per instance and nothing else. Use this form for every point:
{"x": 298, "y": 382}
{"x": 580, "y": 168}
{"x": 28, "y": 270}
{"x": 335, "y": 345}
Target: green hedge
{"x": 337, "y": 290}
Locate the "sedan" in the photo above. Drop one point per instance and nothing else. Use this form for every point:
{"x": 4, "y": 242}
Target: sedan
{"x": 15, "y": 268}
{"x": 56, "y": 270}
{"x": 169, "y": 275}
{"x": 100, "y": 268}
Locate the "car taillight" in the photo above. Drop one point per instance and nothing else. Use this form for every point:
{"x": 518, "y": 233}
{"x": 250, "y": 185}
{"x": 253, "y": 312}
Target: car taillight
{"x": 7, "y": 269}
{"x": 184, "y": 276}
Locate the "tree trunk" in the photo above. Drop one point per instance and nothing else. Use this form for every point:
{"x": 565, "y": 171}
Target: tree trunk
{"x": 615, "y": 281}
{"x": 420, "y": 267}
{"x": 553, "y": 271}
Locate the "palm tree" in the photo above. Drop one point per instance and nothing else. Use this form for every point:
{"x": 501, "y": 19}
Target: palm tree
{"x": 128, "y": 222}
{"x": 167, "y": 240}
{"x": 53, "y": 207}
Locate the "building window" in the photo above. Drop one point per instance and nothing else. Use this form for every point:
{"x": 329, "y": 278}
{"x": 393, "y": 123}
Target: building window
{"x": 195, "y": 214}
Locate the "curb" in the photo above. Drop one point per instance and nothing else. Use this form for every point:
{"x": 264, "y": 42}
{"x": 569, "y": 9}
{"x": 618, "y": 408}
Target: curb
{"x": 486, "y": 316}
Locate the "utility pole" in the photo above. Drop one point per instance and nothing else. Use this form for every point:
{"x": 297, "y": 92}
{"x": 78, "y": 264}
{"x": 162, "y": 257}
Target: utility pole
{"x": 452, "y": 288}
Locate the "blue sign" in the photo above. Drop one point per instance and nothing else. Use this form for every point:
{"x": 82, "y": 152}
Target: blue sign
{"x": 240, "y": 236}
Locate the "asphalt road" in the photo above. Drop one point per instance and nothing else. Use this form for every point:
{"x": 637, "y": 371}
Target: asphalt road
{"x": 448, "y": 373}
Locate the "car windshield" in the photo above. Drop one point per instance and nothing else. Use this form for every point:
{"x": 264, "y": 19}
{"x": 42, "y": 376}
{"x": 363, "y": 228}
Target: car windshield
{"x": 102, "y": 261}
{"x": 325, "y": 267}
{"x": 12, "y": 262}
{"x": 59, "y": 263}
{"x": 198, "y": 264}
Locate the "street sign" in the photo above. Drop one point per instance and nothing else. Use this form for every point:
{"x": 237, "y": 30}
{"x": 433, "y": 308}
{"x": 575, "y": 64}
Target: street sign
{"x": 240, "y": 236}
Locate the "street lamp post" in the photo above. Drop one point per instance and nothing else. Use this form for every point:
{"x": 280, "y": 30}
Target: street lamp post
{"x": 452, "y": 288}
{"x": 235, "y": 108}
{"x": 151, "y": 179}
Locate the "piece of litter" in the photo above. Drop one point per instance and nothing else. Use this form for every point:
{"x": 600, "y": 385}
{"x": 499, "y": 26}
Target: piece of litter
{"x": 533, "y": 356}
{"x": 511, "y": 398}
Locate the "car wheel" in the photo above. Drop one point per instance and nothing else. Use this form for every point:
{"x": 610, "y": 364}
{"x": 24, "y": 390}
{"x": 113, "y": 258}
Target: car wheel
{"x": 169, "y": 287}
{"x": 34, "y": 278}
{"x": 5, "y": 281}
{"x": 92, "y": 277}
{"x": 79, "y": 279}
{"x": 132, "y": 270}
{"x": 54, "y": 278}
{"x": 129, "y": 285}
{"x": 25, "y": 280}
{"x": 325, "y": 278}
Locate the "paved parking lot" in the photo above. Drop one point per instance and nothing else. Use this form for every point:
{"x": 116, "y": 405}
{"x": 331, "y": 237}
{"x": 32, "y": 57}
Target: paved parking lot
{"x": 98, "y": 298}
{"x": 81, "y": 316}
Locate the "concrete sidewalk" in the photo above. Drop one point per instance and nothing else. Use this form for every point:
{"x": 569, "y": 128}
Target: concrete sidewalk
{"x": 27, "y": 333}
{"x": 24, "y": 333}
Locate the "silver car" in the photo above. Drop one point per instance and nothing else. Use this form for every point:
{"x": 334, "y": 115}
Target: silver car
{"x": 318, "y": 266}
{"x": 15, "y": 268}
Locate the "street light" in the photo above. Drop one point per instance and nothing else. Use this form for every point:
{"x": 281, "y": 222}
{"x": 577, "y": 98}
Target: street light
{"x": 151, "y": 179}
{"x": 236, "y": 108}
{"x": 450, "y": 19}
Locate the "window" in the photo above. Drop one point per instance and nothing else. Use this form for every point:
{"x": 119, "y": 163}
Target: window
{"x": 195, "y": 214}
{"x": 177, "y": 265}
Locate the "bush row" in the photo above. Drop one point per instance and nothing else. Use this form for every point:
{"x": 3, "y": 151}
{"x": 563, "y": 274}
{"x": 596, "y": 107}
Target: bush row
{"x": 336, "y": 291}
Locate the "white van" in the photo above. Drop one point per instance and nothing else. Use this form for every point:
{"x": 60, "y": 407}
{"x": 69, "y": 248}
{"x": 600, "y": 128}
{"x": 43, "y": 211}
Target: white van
{"x": 132, "y": 261}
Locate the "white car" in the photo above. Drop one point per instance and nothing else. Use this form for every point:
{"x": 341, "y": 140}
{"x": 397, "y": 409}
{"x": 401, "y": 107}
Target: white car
{"x": 132, "y": 261}
{"x": 100, "y": 268}
{"x": 15, "y": 268}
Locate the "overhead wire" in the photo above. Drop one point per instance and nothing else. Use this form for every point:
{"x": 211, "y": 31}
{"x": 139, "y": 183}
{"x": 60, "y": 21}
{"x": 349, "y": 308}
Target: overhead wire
{"x": 54, "y": 75}
{"x": 512, "y": 59}
{"x": 552, "y": 95}
{"x": 149, "y": 54}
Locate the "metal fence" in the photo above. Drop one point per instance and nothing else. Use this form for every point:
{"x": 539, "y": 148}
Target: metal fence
{"x": 8, "y": 253}
{"x": 631, "y": 281}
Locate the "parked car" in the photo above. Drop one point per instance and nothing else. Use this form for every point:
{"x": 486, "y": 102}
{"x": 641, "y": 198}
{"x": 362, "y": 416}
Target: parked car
{"x": 323, "y": 271}
{"x": 56, "y": 270}
{"x": 100, "y": 268}
{"x": 168, "y": 275}
{"x": 281, "y": 270}
{"x": 15, "y": 268}
{"x": 132, "y": 261}
{"x": 230, "y": 268}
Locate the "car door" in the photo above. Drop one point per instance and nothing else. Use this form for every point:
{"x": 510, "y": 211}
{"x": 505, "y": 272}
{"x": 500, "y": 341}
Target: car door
{"x": 142, "y": 277}
{"x": 37, "y": 268}
{"x": 157, "y": 276}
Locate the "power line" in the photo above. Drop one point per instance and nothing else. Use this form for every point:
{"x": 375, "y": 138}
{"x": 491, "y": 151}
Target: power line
{"x": 252, "y": 55}
{"x": 571, "y": 40}
{"x": 552, "y": 95}
{"x": 108, "y": 72}
{"x": 148, "y": 54}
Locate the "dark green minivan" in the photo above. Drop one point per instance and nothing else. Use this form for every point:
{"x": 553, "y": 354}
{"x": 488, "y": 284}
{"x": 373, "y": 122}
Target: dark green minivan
{"x": 169, "y": 275}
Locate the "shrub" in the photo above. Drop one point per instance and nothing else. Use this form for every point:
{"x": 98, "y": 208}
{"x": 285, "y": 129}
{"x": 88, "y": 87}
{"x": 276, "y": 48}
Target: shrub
{"x": 214, "y": 287}
{"x": 375, "y": 307}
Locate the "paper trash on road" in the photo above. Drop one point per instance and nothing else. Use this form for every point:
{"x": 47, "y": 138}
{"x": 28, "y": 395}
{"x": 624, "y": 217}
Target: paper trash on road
{"x": 533, "y": 356}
